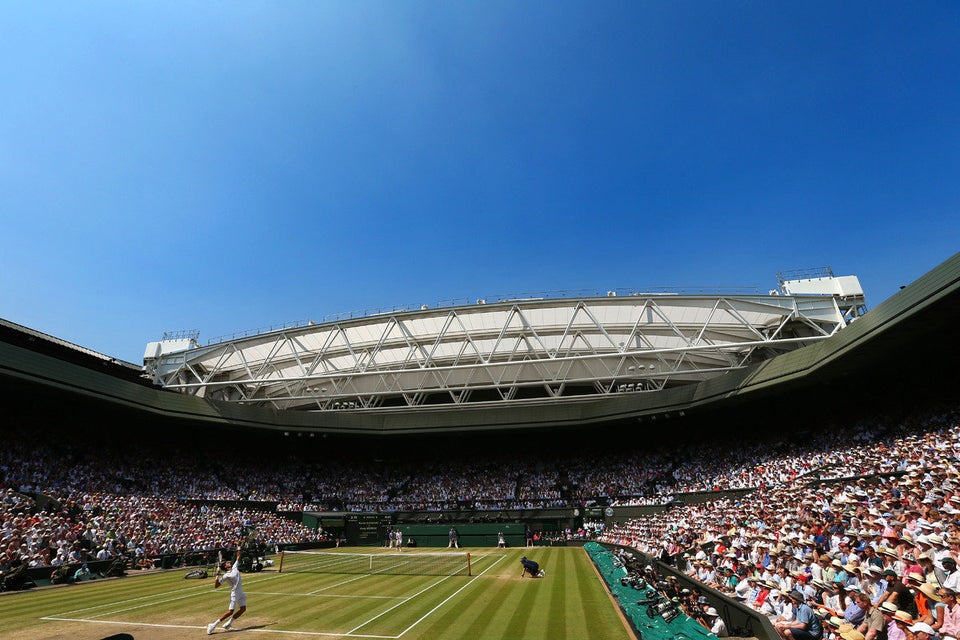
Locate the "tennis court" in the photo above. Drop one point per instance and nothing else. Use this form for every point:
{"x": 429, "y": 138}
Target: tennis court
{"x": 416, "y": 596}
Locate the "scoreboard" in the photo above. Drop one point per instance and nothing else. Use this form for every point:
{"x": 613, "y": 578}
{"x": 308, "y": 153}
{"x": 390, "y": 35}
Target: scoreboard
{"x": 368, "y": 529}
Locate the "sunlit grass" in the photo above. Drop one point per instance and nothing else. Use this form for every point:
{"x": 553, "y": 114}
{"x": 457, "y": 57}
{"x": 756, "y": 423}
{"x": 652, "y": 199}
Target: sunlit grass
{"x": 493, "y": 603}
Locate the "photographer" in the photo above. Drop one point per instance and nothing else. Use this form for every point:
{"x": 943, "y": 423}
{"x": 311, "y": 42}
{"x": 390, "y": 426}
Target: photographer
{"x": 83, "y": 573}
{"x": 696, "y": 608}
{"x": 692, "y": 603}
{"x": 715, "y": 623}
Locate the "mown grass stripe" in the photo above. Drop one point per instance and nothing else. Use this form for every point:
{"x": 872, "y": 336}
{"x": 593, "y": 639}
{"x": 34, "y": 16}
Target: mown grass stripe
{"x": 605, "y": 621}
{"x": 477, "y": 613}
{"x": 529, "y": 590}
{"x": 445, "y": 601}
{"x": 556, "y": 573}
{"x": 497, "y": 603}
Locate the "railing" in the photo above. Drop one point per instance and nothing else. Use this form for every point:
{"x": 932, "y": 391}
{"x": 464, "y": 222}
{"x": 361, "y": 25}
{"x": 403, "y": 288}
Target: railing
{"x": 448, "y": 303}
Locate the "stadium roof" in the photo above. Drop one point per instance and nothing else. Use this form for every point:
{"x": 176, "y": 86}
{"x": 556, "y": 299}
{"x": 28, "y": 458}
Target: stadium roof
{"x": 903, "y": 337}
{"x": 507, "y": 352}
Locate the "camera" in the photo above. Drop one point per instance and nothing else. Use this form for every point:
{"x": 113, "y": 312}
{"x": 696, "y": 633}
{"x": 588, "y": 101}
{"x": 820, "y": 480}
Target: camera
{"x": 670, "y": 615}
{"x": 663, "y": 607}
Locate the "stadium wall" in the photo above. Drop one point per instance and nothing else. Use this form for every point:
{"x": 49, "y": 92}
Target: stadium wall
{"x": 432, "y": 528}
{"x": 741, "y": 620}
{"x": 470, "y": 535}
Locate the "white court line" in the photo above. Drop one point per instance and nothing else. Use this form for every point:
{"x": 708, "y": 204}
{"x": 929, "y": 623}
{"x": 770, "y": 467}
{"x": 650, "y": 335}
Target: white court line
{"x": 182, "y": 626}
{"x": 402, "y": 602}
{"x": 384, "y": 570}
{"x": 204, "y": 589}
{"x": 329, "y": 563}
{"x": 198, "y": 590}
{"x": 317, "y": 595}
{"x": 422, "y": 591}
{"x": 146, "y": 604}
{"x": 450, "y": 596}
{"x": 337, "y": 584}
{"x": 113, "y": 604}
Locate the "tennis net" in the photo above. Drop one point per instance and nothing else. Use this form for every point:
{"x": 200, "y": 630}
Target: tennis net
{"x": 425, "y": 564}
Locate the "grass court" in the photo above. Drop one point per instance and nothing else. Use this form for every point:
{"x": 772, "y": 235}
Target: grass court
{"x": 494, "y": 602}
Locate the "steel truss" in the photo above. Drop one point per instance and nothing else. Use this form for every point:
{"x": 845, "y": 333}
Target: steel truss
{"x": 504, "y": 352}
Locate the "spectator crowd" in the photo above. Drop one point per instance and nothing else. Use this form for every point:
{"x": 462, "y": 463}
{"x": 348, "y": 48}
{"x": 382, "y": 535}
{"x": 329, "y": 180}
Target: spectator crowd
{"x": 859, "y": 529}
{"x": 826, "y": 514}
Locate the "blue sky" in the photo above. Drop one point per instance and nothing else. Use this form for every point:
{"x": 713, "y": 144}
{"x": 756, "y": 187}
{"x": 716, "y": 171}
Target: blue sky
{"x": 224, "y": 166}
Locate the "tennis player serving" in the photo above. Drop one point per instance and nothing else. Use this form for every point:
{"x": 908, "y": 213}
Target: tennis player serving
{"x": 238, "y": 599}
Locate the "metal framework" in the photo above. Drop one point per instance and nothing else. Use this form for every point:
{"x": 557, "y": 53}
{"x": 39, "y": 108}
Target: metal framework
{"x": 505, "y": 352}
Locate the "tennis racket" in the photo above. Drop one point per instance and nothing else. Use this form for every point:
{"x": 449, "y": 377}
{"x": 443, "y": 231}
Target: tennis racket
{"x": 219, "y": 563}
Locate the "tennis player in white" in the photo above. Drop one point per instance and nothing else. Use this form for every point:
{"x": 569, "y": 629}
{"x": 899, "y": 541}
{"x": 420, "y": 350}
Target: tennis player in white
{"x": 238, "y": 599}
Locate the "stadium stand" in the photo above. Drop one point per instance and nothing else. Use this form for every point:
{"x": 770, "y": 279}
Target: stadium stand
{"x": 104, "y": 487}
{"x": 824, "y": 512}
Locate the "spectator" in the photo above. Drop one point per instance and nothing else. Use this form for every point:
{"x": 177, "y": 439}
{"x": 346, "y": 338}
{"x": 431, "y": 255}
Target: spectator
{"x": 717, "y": 626}
{"x": 805, "y": 626}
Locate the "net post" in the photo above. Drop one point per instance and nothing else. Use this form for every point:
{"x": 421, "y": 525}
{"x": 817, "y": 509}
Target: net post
{"x": 280, "y": 568}
{"x": 468, "y": 564}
